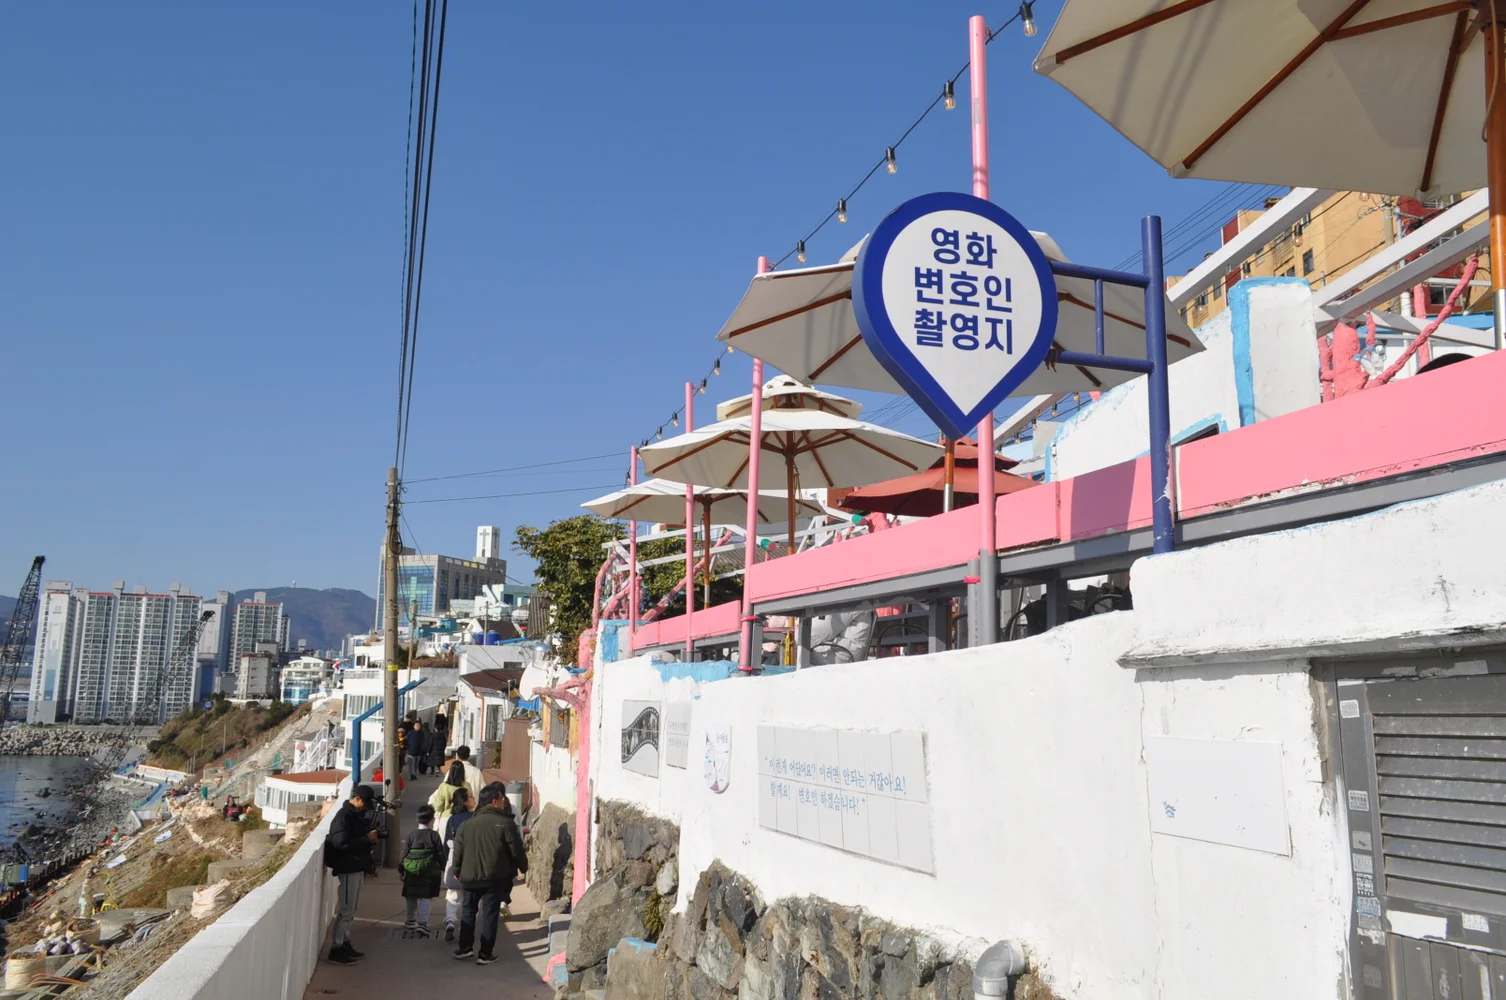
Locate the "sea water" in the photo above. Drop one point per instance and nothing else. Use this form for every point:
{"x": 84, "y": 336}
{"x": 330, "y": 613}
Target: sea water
{"x": 21, "y": 781}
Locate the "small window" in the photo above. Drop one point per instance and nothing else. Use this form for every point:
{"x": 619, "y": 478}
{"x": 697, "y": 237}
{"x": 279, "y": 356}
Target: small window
{"x": 1218, "y": 291}
{"x": 1202, "y": 301}
{"x": 1291, "y": 272}
{"x": 1245, "y": 268}
{"x": 1307, "y": 262}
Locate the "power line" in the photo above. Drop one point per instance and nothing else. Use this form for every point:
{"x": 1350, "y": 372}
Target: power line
{"x": 419, "y": 167}
{"x": 529, "y": 493}
{"x": 518, "y": 468}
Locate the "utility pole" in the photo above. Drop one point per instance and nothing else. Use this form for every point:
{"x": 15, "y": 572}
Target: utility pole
{"x": 391, "y": 766}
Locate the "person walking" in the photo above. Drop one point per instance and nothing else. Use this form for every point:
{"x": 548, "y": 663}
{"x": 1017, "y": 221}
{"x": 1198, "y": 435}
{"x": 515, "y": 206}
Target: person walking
{"x": 347, "y": 854}
{"x": 443, "y": 797}
{"x": 460, "y": 811}
{"x": 422, "y": 865}
{"x": 418, "y": 745}
{"x": 488, "y": 856}
{"x": 473, "y": 779}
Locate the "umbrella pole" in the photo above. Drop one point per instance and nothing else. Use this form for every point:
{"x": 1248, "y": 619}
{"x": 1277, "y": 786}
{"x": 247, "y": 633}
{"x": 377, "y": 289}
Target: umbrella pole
{"x": 789, "y": 478}
{"x": 948, "y": 491}
{"x": 706, "y": 531}
{"x": 689, "y": 534}
{"x": 747, "y": 658}
{"x": 1495, "y": 153}
{"x": 987, "y": 621}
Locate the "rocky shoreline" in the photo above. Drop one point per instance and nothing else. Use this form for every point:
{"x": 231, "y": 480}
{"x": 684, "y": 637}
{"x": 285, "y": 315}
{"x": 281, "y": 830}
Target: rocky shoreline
{"x": 60, "y": 741}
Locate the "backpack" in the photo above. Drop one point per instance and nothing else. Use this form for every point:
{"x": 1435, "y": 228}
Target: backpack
{"x": 422, "y": 863}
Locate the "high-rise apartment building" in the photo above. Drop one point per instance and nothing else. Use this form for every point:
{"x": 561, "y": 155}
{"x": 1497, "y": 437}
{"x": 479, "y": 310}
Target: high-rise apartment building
{"x": 101, "y": 655}
{"x": 255, "y": 621}
{"x": 434, "y": 580}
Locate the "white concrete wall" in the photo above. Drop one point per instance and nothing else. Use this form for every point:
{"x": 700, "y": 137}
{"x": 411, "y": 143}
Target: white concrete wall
{"x": 1260, "y": 361}
{"x": 262, "y": 948}
{"x": 1039, "y": 811}
{"x": 552, "y": 771}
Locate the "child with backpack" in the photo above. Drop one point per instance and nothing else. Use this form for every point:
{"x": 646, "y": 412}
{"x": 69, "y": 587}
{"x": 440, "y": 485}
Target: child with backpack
{"x": 422, "y": 866}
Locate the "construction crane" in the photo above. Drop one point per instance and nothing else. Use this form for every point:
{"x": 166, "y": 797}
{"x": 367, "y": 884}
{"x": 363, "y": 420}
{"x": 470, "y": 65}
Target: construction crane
{"x": 16, "y": 634}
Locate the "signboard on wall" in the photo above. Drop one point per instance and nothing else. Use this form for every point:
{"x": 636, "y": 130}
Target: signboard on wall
{"x": 641, "y": 737}
{"x": 857, "y": 791}
{"x": 718, "y": 762}
{"x": 958, "y": 303}
{"x": 677, "y": 734}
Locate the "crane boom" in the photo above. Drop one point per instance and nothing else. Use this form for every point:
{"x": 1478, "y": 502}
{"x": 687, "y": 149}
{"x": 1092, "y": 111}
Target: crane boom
{"x": 17, "y": 633}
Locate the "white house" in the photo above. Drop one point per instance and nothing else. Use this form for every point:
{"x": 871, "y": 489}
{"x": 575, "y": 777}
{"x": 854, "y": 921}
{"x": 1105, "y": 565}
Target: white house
{"x": 480, "y": 706}
{"x": 278, "y": 791}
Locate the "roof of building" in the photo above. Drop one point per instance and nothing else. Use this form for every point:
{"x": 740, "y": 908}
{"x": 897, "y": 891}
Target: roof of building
{"x": 498, "y": 679}
{"x": 329, "y": 777}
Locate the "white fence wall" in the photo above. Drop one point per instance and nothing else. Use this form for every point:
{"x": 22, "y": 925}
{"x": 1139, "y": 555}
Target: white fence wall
{"x": 552, "y": 771}
{"x": 1063, "y": 772}
{"x": 265, "y": 946}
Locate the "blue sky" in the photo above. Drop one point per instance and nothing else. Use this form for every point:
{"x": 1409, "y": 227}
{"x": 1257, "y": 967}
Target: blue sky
{"x": 202, "y": 239}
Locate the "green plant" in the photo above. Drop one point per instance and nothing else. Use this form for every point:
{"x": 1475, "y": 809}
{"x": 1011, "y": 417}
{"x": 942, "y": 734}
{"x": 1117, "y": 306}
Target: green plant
{"x": 655, "y": 910}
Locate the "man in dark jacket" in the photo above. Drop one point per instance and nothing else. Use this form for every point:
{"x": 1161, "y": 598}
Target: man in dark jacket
{"x": 347, "y": 854}
{"x": 488, "y": 856}
{"x": 417, "y": 749}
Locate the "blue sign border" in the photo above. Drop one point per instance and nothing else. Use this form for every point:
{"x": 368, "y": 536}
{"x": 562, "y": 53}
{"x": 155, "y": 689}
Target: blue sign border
{"x": 896, "y": 356}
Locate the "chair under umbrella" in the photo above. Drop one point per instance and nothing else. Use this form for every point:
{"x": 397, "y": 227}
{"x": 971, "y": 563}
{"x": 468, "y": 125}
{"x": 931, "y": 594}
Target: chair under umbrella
{"x": 923, "y": 494}
{"x": 815, "y": 449}
{"x": 1384, "y": 96}
{"x": 802, "y": 323}
{"x": 663, "y": 501}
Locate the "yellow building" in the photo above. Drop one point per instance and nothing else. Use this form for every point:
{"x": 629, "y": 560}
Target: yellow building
{"x": 1326, "y": 243}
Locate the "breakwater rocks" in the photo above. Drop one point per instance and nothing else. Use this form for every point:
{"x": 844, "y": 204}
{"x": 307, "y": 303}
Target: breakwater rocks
{"x": 60, "y": 741}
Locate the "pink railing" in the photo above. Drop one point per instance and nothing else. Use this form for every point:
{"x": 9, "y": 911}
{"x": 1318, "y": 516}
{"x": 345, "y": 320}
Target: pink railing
{"x": 1418, "y": 423}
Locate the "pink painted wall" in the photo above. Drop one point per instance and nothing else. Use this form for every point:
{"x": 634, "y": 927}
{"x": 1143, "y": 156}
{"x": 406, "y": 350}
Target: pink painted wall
{"x": 1417, "y": 423}
{"x": 719, "y": 619}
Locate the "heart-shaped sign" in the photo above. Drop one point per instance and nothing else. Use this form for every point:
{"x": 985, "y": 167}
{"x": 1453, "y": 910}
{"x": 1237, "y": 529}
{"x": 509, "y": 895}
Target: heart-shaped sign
{"x": 958, "y": 303}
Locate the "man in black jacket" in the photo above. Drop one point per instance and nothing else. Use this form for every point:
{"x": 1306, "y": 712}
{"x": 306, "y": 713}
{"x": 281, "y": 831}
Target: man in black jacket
{"x": 488, "y": 856}
{"x": 347, "y": 854}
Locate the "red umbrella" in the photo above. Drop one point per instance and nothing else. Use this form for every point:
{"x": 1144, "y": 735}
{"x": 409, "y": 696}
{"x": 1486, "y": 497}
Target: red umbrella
{"x": 922, "y": 494}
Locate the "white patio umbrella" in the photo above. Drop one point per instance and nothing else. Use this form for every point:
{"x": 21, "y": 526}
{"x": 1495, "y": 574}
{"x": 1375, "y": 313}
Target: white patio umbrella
{"x": 663, "y": 501}
{"x": 802, "y": 322}
{"x": 1384, "y": 96}
{"x": 815, "y": 448}
{"x": 784, "y": 392}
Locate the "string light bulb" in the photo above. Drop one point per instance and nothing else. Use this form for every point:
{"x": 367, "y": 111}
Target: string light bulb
{"x": 730, "y": 348}
{"x": 703, "y": 387}
{"x": 1027, "y": 15}
{"x": 841, "y": 209}
{"x": 889, "y": 160}
{"x": 800, "y": 251}
{"x": 949, "y": 98}
{"x": 675, "y": 419}
{"x": 659, "y": 434}
{"x": 716, "y": 369}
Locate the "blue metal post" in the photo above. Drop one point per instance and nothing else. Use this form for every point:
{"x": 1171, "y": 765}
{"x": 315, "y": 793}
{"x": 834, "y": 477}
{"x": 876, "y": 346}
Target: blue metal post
{"x": 1163, "y": 527}
{"x": 355, "y": 731}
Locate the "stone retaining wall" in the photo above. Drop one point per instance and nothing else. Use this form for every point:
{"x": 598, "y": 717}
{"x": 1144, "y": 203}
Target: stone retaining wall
{"x": 727, "y": 944}
{"x": 551, "y": 850}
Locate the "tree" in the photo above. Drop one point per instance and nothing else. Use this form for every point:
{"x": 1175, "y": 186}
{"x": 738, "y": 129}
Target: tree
{"x": 568, "y": 554}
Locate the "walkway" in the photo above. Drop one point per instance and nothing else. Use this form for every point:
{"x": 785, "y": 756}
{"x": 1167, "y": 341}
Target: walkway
{"x": 411, "y": 967}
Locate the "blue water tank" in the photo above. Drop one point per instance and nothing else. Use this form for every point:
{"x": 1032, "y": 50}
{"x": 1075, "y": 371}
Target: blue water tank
{"x": 494, "y": 638}
{"x": 477, "y": 639}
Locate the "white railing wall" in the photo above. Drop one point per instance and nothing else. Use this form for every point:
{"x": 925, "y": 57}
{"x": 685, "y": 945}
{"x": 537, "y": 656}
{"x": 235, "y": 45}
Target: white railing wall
{"x": 265, "y": 946}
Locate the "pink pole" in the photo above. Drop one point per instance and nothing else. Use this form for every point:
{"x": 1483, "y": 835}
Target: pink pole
{"x": 689, "y": 533}
{"x": 750, "y": 540}
{"x": 988, "y": 626}
{"x": 633, "y": 560}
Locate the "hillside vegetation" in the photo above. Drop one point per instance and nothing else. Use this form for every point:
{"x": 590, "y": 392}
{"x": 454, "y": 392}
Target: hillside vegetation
{"x": 198, "y": 737}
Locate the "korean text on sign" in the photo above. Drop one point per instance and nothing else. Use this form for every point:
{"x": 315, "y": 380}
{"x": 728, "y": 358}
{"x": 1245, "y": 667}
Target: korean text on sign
{"x": 963, "y": 303}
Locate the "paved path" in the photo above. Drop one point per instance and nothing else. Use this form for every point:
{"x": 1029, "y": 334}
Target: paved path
{"x": 396, "y": 966}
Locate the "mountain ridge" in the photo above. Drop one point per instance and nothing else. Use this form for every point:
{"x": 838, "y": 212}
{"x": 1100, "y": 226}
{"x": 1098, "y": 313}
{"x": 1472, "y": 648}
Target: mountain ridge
{"x": 322, "y": 618}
